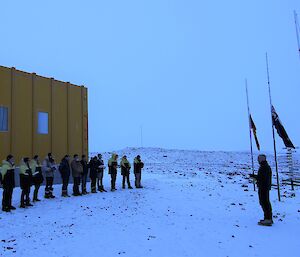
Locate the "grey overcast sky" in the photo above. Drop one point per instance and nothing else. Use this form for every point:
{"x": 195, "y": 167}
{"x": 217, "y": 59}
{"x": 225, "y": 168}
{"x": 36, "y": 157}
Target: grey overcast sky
{"x": 177, "y": 68}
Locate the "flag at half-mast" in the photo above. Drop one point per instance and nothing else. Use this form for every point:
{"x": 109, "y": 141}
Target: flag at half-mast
{"x": 253, "y": 128}
{"x": 281, "y": 130}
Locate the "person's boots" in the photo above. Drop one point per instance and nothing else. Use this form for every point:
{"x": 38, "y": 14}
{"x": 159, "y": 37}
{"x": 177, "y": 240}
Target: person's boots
{"x": 5, "y": 208}
{"x": 28, "y": 203}
{"x": 130, "y": 187}
{"x": 94, "y": 191}
{"x": 102, "y": 189}
{"x": 12, "y": 207}
{"x": 265, "y": 222}
{"x": 64, "y": 193}
{"x": 123, "y": 186}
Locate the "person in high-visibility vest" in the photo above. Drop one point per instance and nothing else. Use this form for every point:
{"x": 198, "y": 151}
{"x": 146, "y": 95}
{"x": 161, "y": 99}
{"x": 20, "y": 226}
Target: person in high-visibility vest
{"x": 37, "y": 176}
{"x": 7, "y": 178}
{"x": 25, "y": 182}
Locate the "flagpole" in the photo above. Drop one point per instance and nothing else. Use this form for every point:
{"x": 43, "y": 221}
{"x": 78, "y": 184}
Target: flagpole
{"x": 297, "y": 26}
{"x": 273, "y": 132}
{"x": 251, "y": 147}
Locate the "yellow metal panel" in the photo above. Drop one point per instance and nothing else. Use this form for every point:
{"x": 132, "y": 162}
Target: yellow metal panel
{"x": 75, "y": 120}
{"x": 41, "y": 103}
{"x": 22, "y": 115}
{"x": 85, "y": 128}
{"x": 5, "y": 100}
{"x": 59, "y": 120}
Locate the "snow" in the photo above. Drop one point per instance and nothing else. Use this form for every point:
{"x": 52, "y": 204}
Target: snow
{"x": 193, "y": 204}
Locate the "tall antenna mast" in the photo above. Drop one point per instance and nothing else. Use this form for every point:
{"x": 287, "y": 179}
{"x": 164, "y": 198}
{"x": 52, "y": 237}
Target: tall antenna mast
{"x": 297, "y": 26}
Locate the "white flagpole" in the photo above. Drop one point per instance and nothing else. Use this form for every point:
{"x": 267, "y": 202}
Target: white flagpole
{"x": 251, "y": 147}
{"x": 274, "y": 141}
{"x": 297, "y": 26}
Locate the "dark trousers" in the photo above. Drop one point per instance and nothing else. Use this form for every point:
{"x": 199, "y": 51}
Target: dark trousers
{"x": 126, "y": 178}
{"x": 264, "y": 201}
{"x": 83, "y": 182}
{"x": 65, "y": 183}
{"x": 76, "y": 184}
{"x": 93, "y": 184}
{"x": 7, "y": 196}
{"x": 100, "y": 179}
{"x": 36, "y": 190}
{"x": 113, "y": 180}
{"x": 25, "y": 195}
{"x": 138, "y": 177}
{"x": 49, "y": 186}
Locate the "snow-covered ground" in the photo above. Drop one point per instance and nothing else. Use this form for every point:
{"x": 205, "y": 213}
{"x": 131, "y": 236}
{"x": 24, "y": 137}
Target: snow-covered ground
{"x": 193, "y": 204}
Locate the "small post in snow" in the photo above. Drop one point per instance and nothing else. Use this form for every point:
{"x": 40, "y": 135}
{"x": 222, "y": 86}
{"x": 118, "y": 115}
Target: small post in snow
{"x": 273, "y": 131}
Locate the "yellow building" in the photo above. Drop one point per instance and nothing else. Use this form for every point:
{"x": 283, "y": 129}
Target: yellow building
{"x": 39, "y": 115}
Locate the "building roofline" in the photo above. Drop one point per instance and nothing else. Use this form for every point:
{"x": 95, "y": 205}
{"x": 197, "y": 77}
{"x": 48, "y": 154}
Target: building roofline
{"x": 31, "y": 73}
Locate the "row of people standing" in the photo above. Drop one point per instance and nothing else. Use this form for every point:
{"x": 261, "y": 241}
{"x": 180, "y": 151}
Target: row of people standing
{"x": 31, "y": 173}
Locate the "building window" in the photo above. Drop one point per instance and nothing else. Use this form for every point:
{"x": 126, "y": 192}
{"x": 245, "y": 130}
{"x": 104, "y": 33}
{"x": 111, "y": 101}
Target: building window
{"x": 3, "y": 119}
{"x": 43, "y": 123}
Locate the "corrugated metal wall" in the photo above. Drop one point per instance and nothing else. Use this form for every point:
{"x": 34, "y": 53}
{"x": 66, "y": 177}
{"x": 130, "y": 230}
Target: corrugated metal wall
{"x": 27, "y": 94}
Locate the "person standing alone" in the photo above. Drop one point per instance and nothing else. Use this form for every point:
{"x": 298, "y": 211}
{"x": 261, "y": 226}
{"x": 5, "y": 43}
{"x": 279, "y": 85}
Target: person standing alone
{"x": 264, "y": 183}
{"x": 138, "y": 165}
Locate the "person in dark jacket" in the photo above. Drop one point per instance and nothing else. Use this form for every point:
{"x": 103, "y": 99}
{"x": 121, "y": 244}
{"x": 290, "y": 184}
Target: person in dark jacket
{"x": 138, "y": 165}
{"x": 100, "y": 171}
{"x": 93, "y": 165}
{"x": 25, "y": 182}
{"x": 264, "y": 183}
{"x": 125, "y": 171}
{"x": 65, "y": 172}
{"x": 7, "y": 178}
{"x": 77, "y": 171}
{"x": 112, "y": 170}
{"x": 84, "y": 174}
{"x": 37, "y": 176}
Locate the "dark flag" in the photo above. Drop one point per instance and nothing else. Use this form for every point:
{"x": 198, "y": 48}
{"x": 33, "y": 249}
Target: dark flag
{"x": 281, "y": 130}
{"x": 253, "y": 128}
